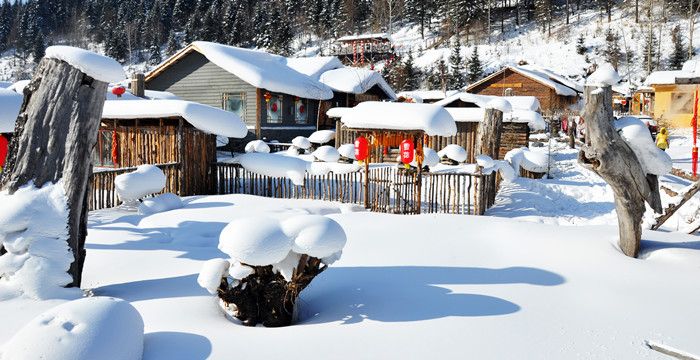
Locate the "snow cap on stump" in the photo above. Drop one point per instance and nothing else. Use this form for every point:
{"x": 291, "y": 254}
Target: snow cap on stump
{"x": 301, "y": 142}
{"x": 454, "y": 152}
{"x": 605, "y": 75}
{"x": 257, "y": 146}
{"x": 322, "y": 136}
{"x": 327, "y": 153}
{"x": 315, "y": 235}
{"x": 499, "y": 104}
{"x": 96, "y": 66}
{"x": 212, "y": 272}
{"x": 145, "y": 180}
{"x": 91, "y": 328}
{"x": 484, "y": 161}
{"x": 256, "y": 241}
{"x": 347, "y": 151}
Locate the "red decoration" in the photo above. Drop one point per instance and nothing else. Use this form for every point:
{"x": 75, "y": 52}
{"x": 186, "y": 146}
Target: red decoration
{"x": 267, "y": 96}
{"x": 118, "y": 90}
{"x": 407, "y": 149}
{"x": 115, "y": 146}
{"x": 361, "y": 148}
{"x": 623, "y": 102}
{"x": 302, "y": 109}
{"x": 3, "y": 150}
{"x": 273, "y": 107}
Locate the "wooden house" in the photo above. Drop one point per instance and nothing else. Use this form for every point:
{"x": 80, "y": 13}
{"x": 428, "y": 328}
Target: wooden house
{"x": 275, "y": 101}
{"x": 363, "y": 49}
{"x": 556, "y": 94}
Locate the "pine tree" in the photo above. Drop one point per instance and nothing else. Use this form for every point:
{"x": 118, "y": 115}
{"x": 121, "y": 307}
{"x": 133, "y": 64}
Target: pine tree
{"x": 580, "y": 45}
{"x": 154, "y": 57}
{"x": 612, "y": 52}
{"x": 475, "y": 70}
{"x": 411, "y": 74}
{"x": 438, "y": 77}
{"x": 173, "y": 45}
{"x": 650, "y": 53}
{"x": 456, "y": 79}
{"x": 680, "y": 52}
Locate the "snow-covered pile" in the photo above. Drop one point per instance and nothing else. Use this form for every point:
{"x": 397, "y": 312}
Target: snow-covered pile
{"x": 314, "y": 66}
{"x": 533, "y": 119}
{"x": 145, "y": 180}
{"x": 485, "y": 161}
{"x": 500, "y": 104}
{"x": 605, "y": 75}
{"x": 453, "y": 152}
{"x": 432, "y": 119}
{"x": 274, "y": 165}
{"x": 10, "y": 104}
{"x": 91, "y": 328}
{"x": 34, "y": 232}
{"x": 160, "y": 203}
{"x": 337, "y": 112}
{"x": 322, "y": 136}
{"x": 347, "y": 151}
{"x": 430, "y": 158}
{"x": 532, "y": 161}
{"x": 301, "y": 142}
{"x": 96, "y": 66}
{"x": 636, "y": 134}
{"x": 326, "y": 153}
{"x": 257, "y": 146}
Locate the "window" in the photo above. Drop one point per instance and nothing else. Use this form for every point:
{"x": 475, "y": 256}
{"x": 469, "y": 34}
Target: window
{"x": 301, "y": 111}
{"x": 235, "y": 103}
{"x": 102, "y": 156}
{"x": 274, "y": 110}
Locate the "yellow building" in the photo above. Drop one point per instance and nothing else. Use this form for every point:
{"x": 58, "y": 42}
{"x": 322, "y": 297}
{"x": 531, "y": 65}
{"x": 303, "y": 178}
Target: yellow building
{"x": 673, "y": 98}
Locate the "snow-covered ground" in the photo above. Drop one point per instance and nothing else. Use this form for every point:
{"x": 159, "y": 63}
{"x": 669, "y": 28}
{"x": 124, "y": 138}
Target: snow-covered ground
{"x": 680, "y": 147}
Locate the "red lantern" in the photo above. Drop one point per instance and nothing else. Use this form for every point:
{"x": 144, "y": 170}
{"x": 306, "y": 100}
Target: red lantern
{"x": 361, "y": 148}
{"x": 623, "y": 102}
{"x": 118, "y": 90}
{"x": 115, "y": 147}
{"x": 407, "y": 149}
{"x": 267, "y": 96}
{"x": 273, "y": 107}
{"x": 301, "y": 109}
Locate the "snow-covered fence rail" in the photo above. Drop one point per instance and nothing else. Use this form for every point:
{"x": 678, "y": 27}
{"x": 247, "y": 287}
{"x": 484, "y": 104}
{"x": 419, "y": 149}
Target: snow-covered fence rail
{"x": 103, "y": 195}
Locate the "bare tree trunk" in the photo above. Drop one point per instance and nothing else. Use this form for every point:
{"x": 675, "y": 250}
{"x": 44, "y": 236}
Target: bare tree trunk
{"x": 572, "y": 133}
{"x": 608, "y": 155}
{"x": 54, "y": 137}
{"x": 488, "y": 142}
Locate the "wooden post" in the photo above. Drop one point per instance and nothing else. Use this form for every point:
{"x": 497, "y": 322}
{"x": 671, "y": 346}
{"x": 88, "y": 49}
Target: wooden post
{"x": 138, "y": 85}
{"x": 609, "y": 156}
{"x": 55, "y": 134}
{"x": 488, "y": 142}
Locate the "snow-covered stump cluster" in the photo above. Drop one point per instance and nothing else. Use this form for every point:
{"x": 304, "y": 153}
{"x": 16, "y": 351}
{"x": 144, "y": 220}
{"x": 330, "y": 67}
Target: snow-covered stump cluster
{"x": 271, "y": 263}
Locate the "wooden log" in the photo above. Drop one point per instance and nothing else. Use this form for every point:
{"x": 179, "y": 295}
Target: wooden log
{"x": 55, "y": 134}
{"x": 609, "y": 156}
{"x": 672, "y": 208}
{"x": 488, "y": 142}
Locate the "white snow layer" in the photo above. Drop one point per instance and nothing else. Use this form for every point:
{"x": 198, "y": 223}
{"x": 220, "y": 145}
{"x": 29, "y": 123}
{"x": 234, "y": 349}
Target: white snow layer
{"x": 355, "y": 80}
{"x": 161, "y": 203}
{"x": 324, "y": 168}
{"x": 327, "y": 153}
{"x": 34, "y": 232}
{"x": 315, "y": 235}
{"x": 605, "y": 75}
{"x": 301, "y": 142}
{"x": 337, "y": 112}
{"x": 432, "y": 119}
{"x": 485, "y": 161}
{"x": 257, "y": 146}
{"x": 239, "y": 271}
{"x": 263, "y": 70}
{"x": 430, "y": 158}
{"x": 274, "y": 165}
{"x": 205, "y": 118}
{"x": 91, "y": 328}
{"x": 145, "y": 180}
{"x": 96, "y": 66}
{"x": 10, "y": 104}
{"x": 211, "y": 274}
{"x": 499, "y": 104}
{"x": 19, "y": 86}
{"x": 522, "y": 108}
{"x": 422, "y": 95}
{"x": 636, "y": 134}
{"x": 347, "y": 151}
{"x": 453, "y": 152}
{"x": 322, "y": 136}
{"x": 257, "y": 241}
{"x": 533, "y": 119}
{"x": 529, "y": 160}
{"x": 314, "y": 66}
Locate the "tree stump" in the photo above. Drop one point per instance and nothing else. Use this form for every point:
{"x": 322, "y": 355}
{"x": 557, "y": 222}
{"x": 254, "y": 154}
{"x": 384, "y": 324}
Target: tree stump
{"x": 608, "y": 155}
{"x": 488, "y": 142}
{"x": 54, "y": 136}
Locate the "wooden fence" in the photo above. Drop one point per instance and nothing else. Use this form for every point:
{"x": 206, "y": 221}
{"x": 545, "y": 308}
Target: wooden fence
{"x": 102, "y": 191}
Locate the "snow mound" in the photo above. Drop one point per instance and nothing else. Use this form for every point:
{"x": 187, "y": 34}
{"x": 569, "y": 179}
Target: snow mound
{"x": 432, "y": 119}
{"x": 96, "y": 66}
{"x": 255, "y": 241}
{"x": 91, "y": 328}
{"x": 507, "y": 172}
{"x": 301, "y": 142}
{"x": 10, "y": 105}
{"x": 430, "y": 158}
{"x": 337, "y": 112}
{"x": 315, "y": 235}
{"x": 605, "y": 75}
{"x": 33, "y": 231}
{"x": 322, "y": 136}
{"x": 274, "y": 165}
{"x": 500, "y": 104}
{"x": 239, "y": 271}
{"x": 257, "y": 146}
{"x": 324, "y": 168}
{"x": 533, "y": 119}
{"x": 454, "y": 152}
{"x": 212, "y": 272}
{"x": 347, "y": 151}
{"x": 327, "y": 153}
{"x": 145, "y": 180}
{"x": 526, "y": 159}
{"x": 355, "y": 80}
{"x": 485, "y": 161}
{"x": 161, "y": 203}
{"x": 636, "y": 134}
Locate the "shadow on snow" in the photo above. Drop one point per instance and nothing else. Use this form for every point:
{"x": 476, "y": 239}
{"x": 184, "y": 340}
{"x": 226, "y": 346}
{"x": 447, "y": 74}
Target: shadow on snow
{"x": 176, "y": 345}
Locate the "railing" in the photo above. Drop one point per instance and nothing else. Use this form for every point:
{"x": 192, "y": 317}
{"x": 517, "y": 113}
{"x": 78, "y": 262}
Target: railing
{"x": 102, "y": 192}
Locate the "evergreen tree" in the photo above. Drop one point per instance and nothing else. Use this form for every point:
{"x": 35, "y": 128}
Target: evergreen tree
{"x": 650, "y": 53}
{"x": 173, "y": 45}
{"x": 456, "y": 79}
{"x": 154, "y": 57}
{"x": 612, "y": 52}
{"x": 411, "y": 74}
{"x": 475, "y": 70}
{"x": 438, "y": 77}
{"x": 680, "y": 52}
{"x": 580, "y": 45}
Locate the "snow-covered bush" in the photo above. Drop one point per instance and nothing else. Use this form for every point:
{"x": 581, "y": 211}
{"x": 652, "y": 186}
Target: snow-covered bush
{"x": 257, "y": 146}
{"x": 327, "y": 154}
{"x": 532, "y": 161}
{"x": 347, "y": 152}
{"x": 86, "y": 329}
{"x": 636, "y": 134}
{"x": 322, "y": 136}
{"x": 301, "y": 142}
{"x": 160, "y": 203}
{"x": 274, "y": 165}
{"x": 271, "y": 262}
{"x": 145, "y": 180}
{"x": 453, "y": 152}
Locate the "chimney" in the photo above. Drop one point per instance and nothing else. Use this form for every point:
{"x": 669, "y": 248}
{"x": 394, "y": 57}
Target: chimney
{"x": 138, "y": 85}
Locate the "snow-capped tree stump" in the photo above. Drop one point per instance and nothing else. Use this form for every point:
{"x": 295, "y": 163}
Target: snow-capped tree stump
{"x": 608, "y": 155}
{"x": 54, "y": 137}
{"x": 488, "y": 142}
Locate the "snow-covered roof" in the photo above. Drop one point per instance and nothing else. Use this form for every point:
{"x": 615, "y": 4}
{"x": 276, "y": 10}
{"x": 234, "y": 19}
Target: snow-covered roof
{"x": 561, "y": 85}
{"x": 314, "y": 66}
{"x": 258, "y": 68}
{"x": 466, "y": 114}
{"x": 427, "y": 94}
{"x": 432, "y": 119}
{"x": 365, "y": 36}
{"x": 337, "y": 112}
{"x": 205, "y": 118}
{"x": 517, "y": 102}
{"x": 356, "y": 81}
{"x": 554, "y": 76}
{"x": 10, "y": 104}
{"x": 665, "y": 77}
{"x": 149, "y": 95}
{"x": 97, "y": 66}
{"x": 476, "y": 114}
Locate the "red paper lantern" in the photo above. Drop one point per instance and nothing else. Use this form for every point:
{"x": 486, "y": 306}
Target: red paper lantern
{"x": 623, "y": 102}
{"x": 361, "y": 148}
{"x": 118, "y": 90}
{"x": 407, "y": 149}
{"x": 3, "y": 150}
{"x": 273, "y": 107}
{"x": 267, "y": 96}
{"x": 301, "y": 109}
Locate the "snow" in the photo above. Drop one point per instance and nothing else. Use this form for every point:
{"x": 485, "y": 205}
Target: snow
{"x": 257, "y": 146}
{"x": 466, "y": 114}
{"x": 5, "y": 84}
{"x": 263, "y": 70}
{"x": 354, "y": 80}
{"x": 144, "y": 181}
{"x": 322, "y": 136}
{"x": 453, "y": 152}
{"x": 365, "y": 36}
{"x": 558, "y": 83}
{"x": 499, "y": 104}
{"x": 327, "y": 153}
{"x": 533, "y": 161}
{"x": 520, "y": 108}
{"x": 314, "y": 66}
{"x": 337, "y": 112}
{"x": 430, "y": 158}
{"x": 432, "y": 119}
{"x": 239, "y": 271}
{"x": 96, "y": 66}
{"x": 10, "y": 105}
{"x": 19, "y": 86}
{"x": 347, "y": 151}
{"x": 485, "y": 161}
{"x": 507, "y": 171}
{"x": 533, "y": 119}
{"x": 33, "y": 231}
{"x": 301, "y": 142}
{"x": 160, "y": 203}
{"x": 605, "y": 75}
{"x": 85, "y": 329}
{"x": 517, "y": 102}
{"x": 325, "y": 168}
{"x": 211, "y": 273}
{"x": 636, "y": 134}
{"x": 315, "y": 235}
{"x": 422, "y": 95}
{"x": 203, "y": 117}
{"x": 257, "y": 241}
{"x": 666, "y": 77}
{"x": 274, "y": 165}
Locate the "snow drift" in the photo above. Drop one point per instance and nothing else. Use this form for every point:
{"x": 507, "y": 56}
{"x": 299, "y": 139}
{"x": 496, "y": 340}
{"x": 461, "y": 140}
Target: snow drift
{"x": 274, "y": 165}
{"x": 145, "y": 180}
